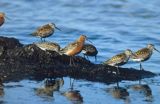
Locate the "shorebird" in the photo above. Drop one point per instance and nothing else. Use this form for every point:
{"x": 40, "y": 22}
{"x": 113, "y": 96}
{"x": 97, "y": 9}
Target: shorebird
{"x": 45, "y": 30}
{"x": 2, "y": 18}
{"x": 89, "y": 50}
{"x": 119, "y": 59}
{"x": 144, "y": 54}
{"x": 48, "y": 46}
{"x": 74, "y": 48}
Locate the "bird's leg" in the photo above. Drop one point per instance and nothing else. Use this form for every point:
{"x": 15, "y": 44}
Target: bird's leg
{"x": 118, "y": 70}
{"x": 70, "y": 59}
{"x": 117, "y": 73}
{"x": 41, "y": 39}
{"x": 84, "y": 55}
{"x": 96, "y": 58}
{"x": 141, "y": 68}
{"x": 117, "y": 83}
{"x": 71, "y": 83}
{"x": 87, "y": 58}
{"x": 44, "y": 40}
{"x": 73, "y": 61}
{"x": 140, "y": 81}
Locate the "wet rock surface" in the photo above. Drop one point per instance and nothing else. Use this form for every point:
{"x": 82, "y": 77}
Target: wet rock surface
{"x": 18, "y": 61}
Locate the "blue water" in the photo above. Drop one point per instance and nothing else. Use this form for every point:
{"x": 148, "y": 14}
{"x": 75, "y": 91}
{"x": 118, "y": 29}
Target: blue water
{"x": 112, "y": 26}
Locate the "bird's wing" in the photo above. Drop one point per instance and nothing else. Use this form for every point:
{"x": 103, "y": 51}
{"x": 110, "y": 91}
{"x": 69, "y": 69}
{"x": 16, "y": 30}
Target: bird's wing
{"x": 116, "y": 59}
{"x": 43, "y": 29}
{"x": 142, "y": 53}
{"x": 70, "y": 46}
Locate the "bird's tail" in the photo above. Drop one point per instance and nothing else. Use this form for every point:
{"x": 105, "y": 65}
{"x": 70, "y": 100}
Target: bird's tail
{"x": 61, "y": 52}
{"x": 33, "y": 34}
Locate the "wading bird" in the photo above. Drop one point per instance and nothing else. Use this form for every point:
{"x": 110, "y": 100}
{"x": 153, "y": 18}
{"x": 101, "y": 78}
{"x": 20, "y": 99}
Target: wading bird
{"x": 144, "y": 54}
{"x": 45, "y": 31}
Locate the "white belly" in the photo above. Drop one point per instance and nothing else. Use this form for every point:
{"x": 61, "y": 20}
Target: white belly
{"x": 136, "y": 60}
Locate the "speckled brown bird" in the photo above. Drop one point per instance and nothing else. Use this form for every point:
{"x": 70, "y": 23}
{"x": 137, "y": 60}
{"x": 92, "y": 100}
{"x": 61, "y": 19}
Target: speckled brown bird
{"x": 90, "y": 50}
{"x": 50, "y": 46}
{"x": 45, "y": 30}
{"x": 144, "y": 54}
{"x": 119, "y": 59}
{"x": 74, "y": 48}
{"x": 2, "y": 18}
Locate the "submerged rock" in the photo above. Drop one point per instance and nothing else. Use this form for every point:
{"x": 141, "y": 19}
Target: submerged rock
{"x": 18, "y": 61}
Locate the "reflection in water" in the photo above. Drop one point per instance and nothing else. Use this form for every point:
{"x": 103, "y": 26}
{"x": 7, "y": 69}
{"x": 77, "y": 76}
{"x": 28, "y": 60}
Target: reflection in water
{"x": 71, "y": 83}
{"x": 49, "y": 87}
{"x": 145, "y": 90}
{"x": 74, "y": 96}
{"x": 1, "y": 88}
{"x": 1, "y": 91}
{"x": 119, "y": 93}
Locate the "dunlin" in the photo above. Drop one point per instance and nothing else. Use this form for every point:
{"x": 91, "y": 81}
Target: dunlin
{"x": 90, "y": 50}
{"x": 45, "y": 30}
{"x": 48, "y": 46}
{"x": 144, "y": 54}
{"x": 119, "y": 59}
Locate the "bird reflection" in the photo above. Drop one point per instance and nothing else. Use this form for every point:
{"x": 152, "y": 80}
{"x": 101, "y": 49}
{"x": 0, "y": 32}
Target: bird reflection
{"x": 1, "y": 88}
{"x": 73, "y": 95}
{"x": 49, "y": 87}
{"x": 145, "y": 90}
{"x": 119, "y": 93}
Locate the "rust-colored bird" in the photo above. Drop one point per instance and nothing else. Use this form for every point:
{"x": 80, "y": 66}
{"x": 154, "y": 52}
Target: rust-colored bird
{"x": 74, "y": 48}
{"x": 45, "y": 30}
{"x": 2, "y": 18}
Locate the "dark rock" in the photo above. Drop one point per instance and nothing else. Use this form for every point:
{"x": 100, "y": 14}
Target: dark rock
{"x": 9, "y": 43}
{"x": 18, "y": 62}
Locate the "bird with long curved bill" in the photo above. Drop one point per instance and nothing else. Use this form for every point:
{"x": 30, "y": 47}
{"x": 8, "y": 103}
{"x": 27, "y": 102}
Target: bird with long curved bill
{"x": 74, "y": 48}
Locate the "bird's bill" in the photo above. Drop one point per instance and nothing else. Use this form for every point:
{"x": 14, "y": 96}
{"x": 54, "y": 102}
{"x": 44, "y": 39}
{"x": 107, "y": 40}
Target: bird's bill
{"x": 89, "y": 40}
{"x": 58, "y": 28}
{"x": 156, "y": 50}
{"x": 134, "y": 55}
{"x": 7, "y": 17}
